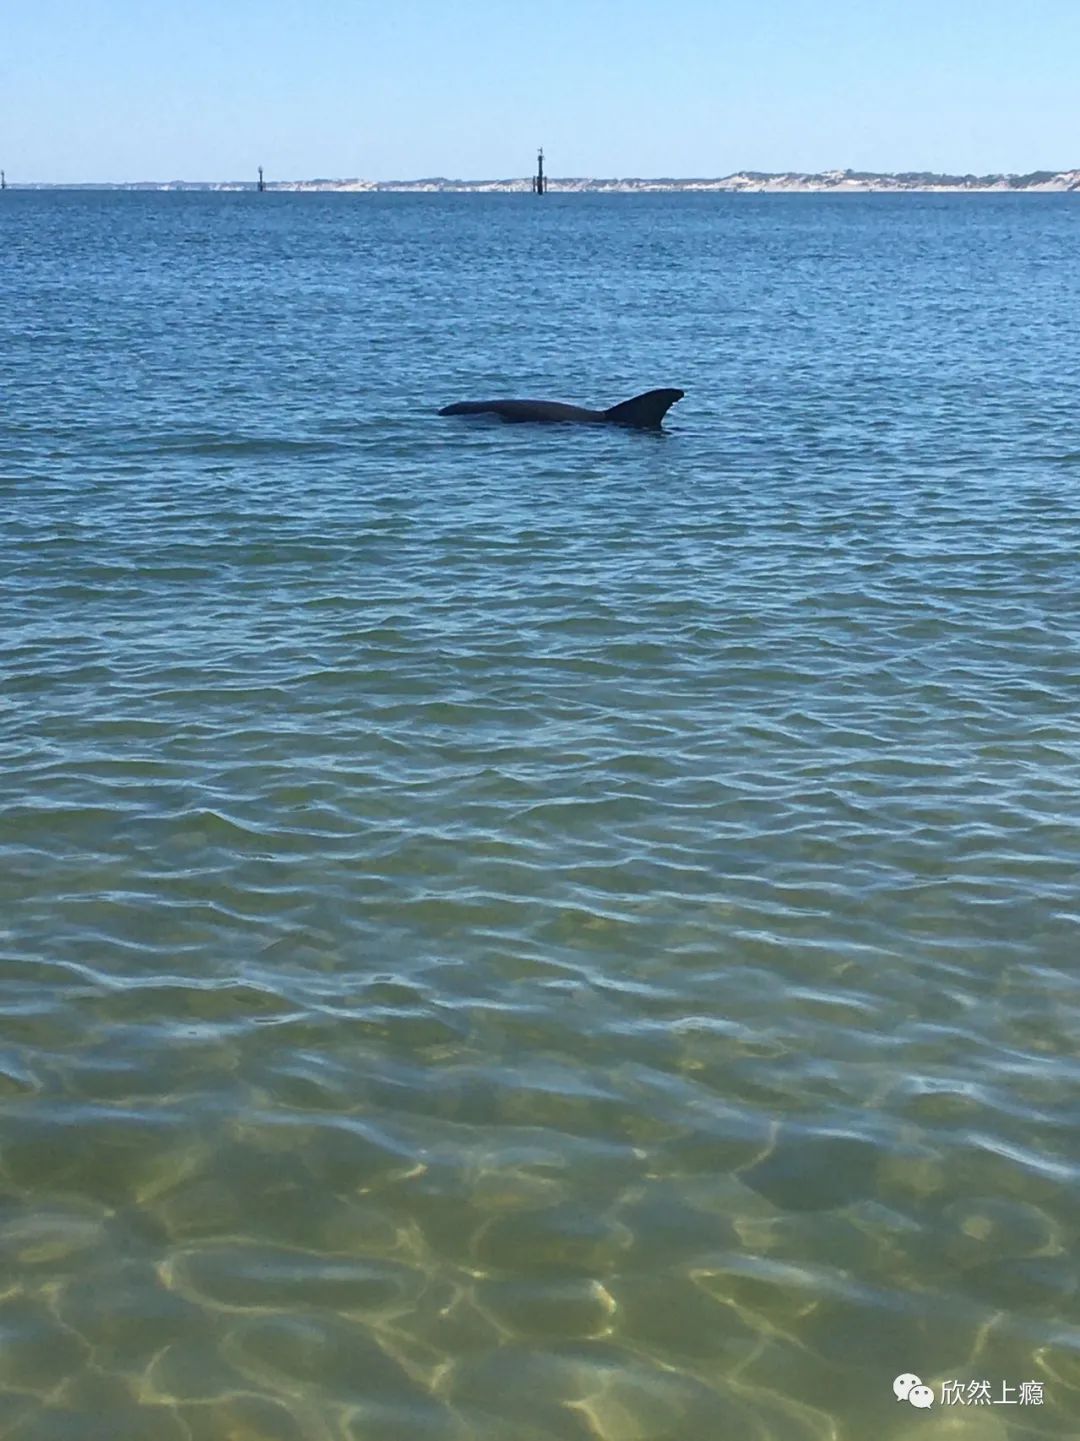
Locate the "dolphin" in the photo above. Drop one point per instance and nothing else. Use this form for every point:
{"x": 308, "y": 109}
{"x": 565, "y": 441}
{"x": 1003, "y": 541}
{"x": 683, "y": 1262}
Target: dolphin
{"x": 644, "y": 412}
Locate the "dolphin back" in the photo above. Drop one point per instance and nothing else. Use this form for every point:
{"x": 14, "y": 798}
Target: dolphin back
{"x": 645, "y": 412}
{"x": 469, "y": 407}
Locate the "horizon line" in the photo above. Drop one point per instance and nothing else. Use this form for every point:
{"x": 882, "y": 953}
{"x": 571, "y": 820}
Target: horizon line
{"x": 837, "y": 176}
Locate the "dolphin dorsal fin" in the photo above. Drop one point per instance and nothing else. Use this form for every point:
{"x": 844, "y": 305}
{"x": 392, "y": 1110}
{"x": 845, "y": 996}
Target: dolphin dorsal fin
{"x": 644, "y": 411}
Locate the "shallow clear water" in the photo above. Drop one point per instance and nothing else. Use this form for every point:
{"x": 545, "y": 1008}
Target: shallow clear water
{"x": 538, "y": 934}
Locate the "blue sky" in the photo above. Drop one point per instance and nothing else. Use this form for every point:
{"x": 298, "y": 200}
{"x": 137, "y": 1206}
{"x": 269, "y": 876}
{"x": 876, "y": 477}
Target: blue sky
{"x": 147, "y": 89}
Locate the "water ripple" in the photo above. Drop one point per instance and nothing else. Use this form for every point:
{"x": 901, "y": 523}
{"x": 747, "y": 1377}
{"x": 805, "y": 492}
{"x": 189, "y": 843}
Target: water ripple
{"x": 548, "y": 938}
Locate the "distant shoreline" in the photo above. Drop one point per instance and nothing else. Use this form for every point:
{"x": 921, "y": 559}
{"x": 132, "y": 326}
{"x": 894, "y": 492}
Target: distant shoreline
{"x": 833, "y": 182}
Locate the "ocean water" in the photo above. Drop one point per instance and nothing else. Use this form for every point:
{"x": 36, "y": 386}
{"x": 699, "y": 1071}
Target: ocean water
{"x": 538, "y": 934}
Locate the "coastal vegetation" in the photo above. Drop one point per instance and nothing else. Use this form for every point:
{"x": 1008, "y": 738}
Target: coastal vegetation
{"x": 839, "y": 181}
